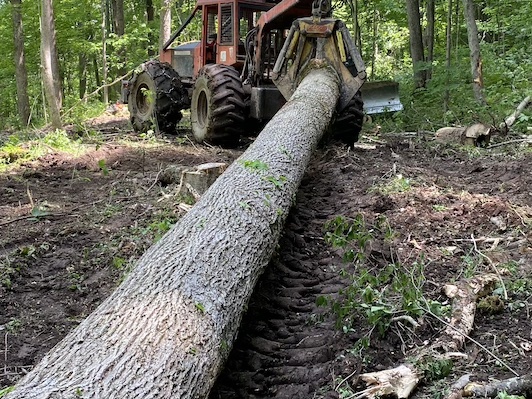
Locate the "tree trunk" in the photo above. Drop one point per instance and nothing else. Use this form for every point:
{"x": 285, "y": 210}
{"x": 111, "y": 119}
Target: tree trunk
{"x": 21, "y": 74}
{"x": 474, "y": 48}
{"x": 104, "y": 52}
{"x": 429, "y": 37}
{"x": 118, "y": 17}
{"x": 150, "y": 16}
{"x": 374, "y": 48}
{"x": 166, "y": 23}
{"x": 82, "y": 73}
{"x": 167, "y": 330}
{"x": 416, "y": 41}
{"x": 448, "y": 45}
{"x": 50, "y": 63}
{"x": 119, "y": 49}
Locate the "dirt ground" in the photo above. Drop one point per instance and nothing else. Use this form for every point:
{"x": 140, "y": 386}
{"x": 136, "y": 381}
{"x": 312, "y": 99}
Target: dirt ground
{"x": 425, "y": 214}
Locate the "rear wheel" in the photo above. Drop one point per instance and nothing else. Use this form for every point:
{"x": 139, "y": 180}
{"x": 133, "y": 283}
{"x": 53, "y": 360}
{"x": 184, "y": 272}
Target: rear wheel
{"x": 156, "y": 98}
{"x": 348, "y": 123}
{"x": 217, "y": 105}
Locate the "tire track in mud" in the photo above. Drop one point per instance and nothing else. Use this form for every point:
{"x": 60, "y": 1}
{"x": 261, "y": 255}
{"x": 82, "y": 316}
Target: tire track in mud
{"x": 287, "y": 344}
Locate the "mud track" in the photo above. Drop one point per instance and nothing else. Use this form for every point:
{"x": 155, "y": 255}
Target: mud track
{"x": 288, "y": 345}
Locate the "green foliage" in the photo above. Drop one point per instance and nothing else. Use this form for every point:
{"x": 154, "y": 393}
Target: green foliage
{"x": 27, "y": 146}
{"x": 5, "y": 391}
{"x": 277, "y": 182}
{"x": 397, "y": 184}
{"x": 435, "y": 369}
{"x": 254, "y": 165}
{"x": 341, "y": 231}
{"x": 504, "y": 395}
{"x": 377, "y": 294}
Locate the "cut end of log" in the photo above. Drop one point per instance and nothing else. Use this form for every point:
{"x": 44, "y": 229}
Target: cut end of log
{"x": 477, "y": 135}
{"x": 400, "y": 382}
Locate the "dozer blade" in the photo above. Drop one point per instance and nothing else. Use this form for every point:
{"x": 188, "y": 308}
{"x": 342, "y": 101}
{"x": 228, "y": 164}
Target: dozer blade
{"x": 323, "y": 39}
{"x": 380, "y": 97}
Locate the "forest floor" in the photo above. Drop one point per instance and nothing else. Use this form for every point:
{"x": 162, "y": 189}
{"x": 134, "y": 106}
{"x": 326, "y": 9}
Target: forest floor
{"x": 375, "y": 235}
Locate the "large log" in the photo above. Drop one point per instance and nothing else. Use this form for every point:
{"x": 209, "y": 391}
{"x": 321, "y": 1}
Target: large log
{"x": 168, "y": 328}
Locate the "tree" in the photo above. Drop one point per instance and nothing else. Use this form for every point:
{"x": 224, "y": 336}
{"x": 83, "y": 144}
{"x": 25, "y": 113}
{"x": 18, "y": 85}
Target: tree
{"x": 50, "y": 63}
{"x": 416, "y": 42}
{"x": 166, "y": 23}
{"x": 118, "y": 17}
{"x": 169, "y": 327}
{"x": 105, "y": 91}
{"x": 21, "y": 74}
{"x": 474, "y": 48}
{"x": 429, "y": 37}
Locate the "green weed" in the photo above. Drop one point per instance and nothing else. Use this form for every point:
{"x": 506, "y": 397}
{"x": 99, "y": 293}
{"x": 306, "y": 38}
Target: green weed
{"x": 5, "y": 391}
{"x": 398, "y": 184}
{"x": 254, "y": 165}
{"x": 378, "y": 295}
{"x": 23, "y": 147}
{"x": 342, "y": 232}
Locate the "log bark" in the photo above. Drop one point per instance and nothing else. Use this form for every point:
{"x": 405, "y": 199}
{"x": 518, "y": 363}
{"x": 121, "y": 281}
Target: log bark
{"x": 167, "y": 330}
{"x": 513, "y": 386}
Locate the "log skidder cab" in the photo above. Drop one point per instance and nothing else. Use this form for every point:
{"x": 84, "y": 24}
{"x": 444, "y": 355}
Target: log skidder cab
{"x": 250, "y": 59}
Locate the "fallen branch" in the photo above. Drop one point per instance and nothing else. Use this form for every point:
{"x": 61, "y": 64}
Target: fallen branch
{"x": 402, "y": 380}
{"x": 510, "y": 120}
{"x": 526, "y": 140}
{"x": 512, "y": 386}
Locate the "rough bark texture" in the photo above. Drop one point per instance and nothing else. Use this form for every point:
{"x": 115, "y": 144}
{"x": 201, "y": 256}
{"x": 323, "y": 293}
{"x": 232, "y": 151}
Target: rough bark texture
{"x": 429, "y": 36}
{"x": 166, "y": 331}
{"x": 514, "y": 386}
{"x": 21, "y": 74}
{"x": 474, "y": 49}
{"x": 50, "y": 63}
{"x": 166, "y": 23}
{"x": 118, "y": 17}
{"x": 416, "y": 41}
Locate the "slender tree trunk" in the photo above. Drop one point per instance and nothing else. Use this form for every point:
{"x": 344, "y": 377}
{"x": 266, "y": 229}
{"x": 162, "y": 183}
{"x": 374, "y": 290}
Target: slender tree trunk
{"x": 448, "y": 48}
{"x": 167, "y": 330}
{"x": 416, "y": 41}
{"x": 166, "y": 23}
{"x": 150, "y": 16}
{"x": 374, "y": 47}
{"x": 474, "y": 49}
{"x": 50, "y": 63}
{"x": 120, "y": 50}
{"x": 21, "y": 74}
{"x": 96, "y": 69}
{"x": 429, "y": 37}
{"x": 82, "y": 73}
{"x": 105, "y": 90}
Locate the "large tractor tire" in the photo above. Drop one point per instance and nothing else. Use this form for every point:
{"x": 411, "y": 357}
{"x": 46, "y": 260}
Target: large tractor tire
{"x": 348, "y": 123}
{"x": 217, "y": 109}
{"x": 156, "y": 98}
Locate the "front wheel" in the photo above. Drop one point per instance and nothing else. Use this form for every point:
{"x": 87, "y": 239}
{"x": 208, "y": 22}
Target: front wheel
{"x": 156, "y": 98}
{"x": 348, "y": 123}
{"x": 217, "y": 105}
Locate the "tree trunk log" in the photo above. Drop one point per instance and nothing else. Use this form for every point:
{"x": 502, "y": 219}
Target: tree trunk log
{"x": 168, "y": 328}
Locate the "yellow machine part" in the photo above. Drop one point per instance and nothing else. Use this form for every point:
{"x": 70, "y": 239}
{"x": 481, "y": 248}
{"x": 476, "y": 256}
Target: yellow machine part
{"x": 314, "y": 40}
